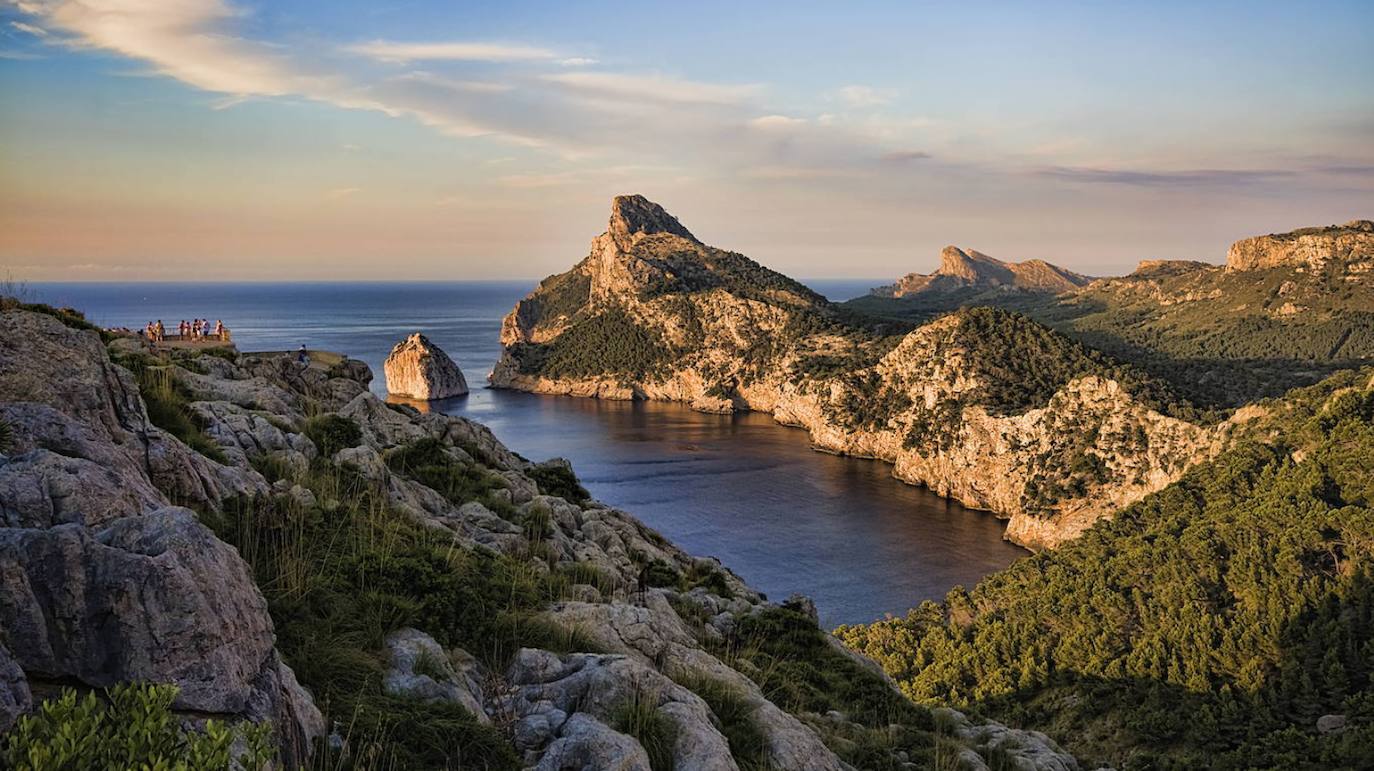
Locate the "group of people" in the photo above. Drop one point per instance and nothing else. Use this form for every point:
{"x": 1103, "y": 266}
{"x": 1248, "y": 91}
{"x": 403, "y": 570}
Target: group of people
{"x": 195, "y": 330}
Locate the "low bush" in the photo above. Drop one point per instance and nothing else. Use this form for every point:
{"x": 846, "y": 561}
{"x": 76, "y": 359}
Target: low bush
{"x": 429, "y": 463}
{"x": 332, "y": 433}
{"x": 558, "y": 480}
{"x": 133, "y": 727}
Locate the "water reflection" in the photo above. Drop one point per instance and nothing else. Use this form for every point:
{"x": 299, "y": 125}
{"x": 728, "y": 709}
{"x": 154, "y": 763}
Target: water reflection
{"x": 753, "y": 493}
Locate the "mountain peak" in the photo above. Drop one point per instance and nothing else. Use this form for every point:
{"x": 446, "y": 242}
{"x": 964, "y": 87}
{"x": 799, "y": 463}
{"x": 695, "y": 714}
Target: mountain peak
{"x": 972, "y": 266}
{"x": 635, "y": 214}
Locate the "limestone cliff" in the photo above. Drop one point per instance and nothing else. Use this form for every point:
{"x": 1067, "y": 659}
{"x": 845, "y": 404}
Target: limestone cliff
{"x": 967, "y": 269}
{"x": 1306, "y": 248}
{"x": 658, "y": 315}
{"x": 418, "y": 369}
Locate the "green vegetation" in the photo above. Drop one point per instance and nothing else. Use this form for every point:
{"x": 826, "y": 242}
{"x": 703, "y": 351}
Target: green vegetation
{"x": 429, "y": 463}
{"x": 133, "y": 727}
{"x": 701, "y": 574}
{"x": 638, "y": 717}
{"x": 558, "y": 480}
{"x": 332, "y": 433}
{"x": 788, "y": 656}
{"x": 608, "y": 343}
{"x": 564, "y": 294}
{"x": 1208, "y": 625}
{"x": 169, "y": 403}
{"x": 1218, "y": 339}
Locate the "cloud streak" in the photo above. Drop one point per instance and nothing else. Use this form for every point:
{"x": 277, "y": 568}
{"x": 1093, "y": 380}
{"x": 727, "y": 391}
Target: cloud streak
{"x": 1181, "y": 178}
{"x": 396, "y": 52}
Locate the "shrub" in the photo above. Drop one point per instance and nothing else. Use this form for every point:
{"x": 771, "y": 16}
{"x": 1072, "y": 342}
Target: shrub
{"x": 429, "y": 463}
{"x": 332, "y": 433}
{"x": 557, "y": 479}
{"x": 133, "y": 727}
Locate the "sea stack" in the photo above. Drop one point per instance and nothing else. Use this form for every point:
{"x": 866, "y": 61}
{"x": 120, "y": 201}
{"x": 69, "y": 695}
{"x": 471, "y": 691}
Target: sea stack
{"x": 419, "y": 369}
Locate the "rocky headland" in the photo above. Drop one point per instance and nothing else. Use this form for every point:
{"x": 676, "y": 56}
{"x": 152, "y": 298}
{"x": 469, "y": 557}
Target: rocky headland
{"x": 381, "y": 584}
{"x": 980, "y": 405}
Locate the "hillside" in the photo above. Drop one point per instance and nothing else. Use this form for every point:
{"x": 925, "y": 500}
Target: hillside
{"x": 984, "y": 406}
{"x": 379, "y": 588}
{"x": 1225, "y": 622}
{"x": 1286, "y": 310}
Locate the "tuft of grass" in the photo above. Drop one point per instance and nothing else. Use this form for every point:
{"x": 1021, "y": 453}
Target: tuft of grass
{"x": 432, "y": 666}
{"x": 734, "y": 717}
{"x": 638, "y": 717}
{"x": 169, "y": 404}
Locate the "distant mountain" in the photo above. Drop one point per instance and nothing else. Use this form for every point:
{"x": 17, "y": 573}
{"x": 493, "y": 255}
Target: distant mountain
{"x": 1286, "y": 310}
{"x": 960, "y": 269}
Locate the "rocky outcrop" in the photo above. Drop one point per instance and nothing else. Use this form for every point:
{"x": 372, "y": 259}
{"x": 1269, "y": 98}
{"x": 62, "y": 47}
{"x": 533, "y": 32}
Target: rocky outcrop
{"x": 102, "y": 579}
{"x": 720, "y": 333}
{"x": 1307, "y": 249}
{"x": 964, "y": 269}
{"x": 418, "y": 369}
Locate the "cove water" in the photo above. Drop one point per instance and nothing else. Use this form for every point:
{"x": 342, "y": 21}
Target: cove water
{"x": 738, "y": 487}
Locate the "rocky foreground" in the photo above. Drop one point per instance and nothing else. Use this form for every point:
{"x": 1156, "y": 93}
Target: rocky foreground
{"x": 625, "y": 652}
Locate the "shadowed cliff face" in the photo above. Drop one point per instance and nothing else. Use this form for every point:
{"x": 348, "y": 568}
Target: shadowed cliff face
{"x": 986, "y": 407}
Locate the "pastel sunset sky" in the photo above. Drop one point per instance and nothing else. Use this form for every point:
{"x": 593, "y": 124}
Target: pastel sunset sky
{"x": 247, "y": 139}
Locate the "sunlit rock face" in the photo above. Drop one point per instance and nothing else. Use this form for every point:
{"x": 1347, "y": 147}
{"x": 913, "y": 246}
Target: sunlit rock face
{"x": 969, "y": 269}
{"x": 418, "y": 369}
{"x": 1305, "y": 249}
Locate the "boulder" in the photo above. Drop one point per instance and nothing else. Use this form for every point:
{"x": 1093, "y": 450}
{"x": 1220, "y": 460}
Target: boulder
{"x": 422, "y": 670}
{"x": 418, "y": 369}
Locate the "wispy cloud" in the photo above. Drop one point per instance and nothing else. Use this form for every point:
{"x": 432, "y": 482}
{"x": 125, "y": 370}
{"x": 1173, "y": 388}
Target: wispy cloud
{"x": 29, "y": 28}
{"x": 472, "y": 51}
{"x": 653, "y": 87}
{"x": 578, "y": 61}
{"x": 1179, "y": 178}
{"x": 772, "y": 122}
{"x": 340, "y": 193}
{"x": 865, "y": 96}
{"x": 904, "y": 156}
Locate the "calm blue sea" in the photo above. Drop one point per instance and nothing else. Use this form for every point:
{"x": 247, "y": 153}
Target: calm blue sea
{"x": 740, "y": 487}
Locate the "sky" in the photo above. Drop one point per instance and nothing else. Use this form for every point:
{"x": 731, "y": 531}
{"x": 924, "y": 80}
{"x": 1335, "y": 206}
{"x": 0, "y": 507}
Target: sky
{"x": 335, "y": 140}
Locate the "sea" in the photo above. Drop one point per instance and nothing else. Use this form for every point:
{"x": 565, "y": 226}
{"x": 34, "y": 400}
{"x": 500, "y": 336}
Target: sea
{"x": 738, "y": 487}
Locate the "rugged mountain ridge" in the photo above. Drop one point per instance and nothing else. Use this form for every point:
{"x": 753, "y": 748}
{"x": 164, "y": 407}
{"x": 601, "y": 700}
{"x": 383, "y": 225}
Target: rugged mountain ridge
{"x": 445, "y": 601}
{"x": 658, "y": 315}
{"x": 971, "y": 270}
